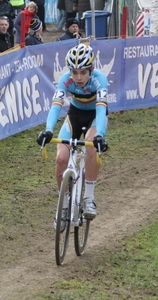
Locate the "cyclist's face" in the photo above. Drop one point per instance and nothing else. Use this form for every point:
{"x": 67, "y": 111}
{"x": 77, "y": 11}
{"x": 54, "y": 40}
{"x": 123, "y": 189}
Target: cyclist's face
{"x": 80, "y": 76}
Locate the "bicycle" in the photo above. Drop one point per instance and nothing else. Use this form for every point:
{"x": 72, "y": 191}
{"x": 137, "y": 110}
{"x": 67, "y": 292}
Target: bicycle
{"x": 73, "y": 182}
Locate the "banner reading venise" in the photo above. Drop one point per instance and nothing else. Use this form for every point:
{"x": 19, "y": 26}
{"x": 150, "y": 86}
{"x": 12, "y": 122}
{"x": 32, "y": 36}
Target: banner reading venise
{"x": 28, "y": 78}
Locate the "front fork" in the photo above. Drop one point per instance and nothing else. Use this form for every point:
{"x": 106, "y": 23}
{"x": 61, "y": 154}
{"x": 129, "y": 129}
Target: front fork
{"x": 76, "y": 198}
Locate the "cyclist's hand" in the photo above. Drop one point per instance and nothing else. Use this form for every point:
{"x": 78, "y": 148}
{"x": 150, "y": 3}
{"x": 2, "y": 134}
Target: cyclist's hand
{"x": 44, "y": 137}
{"x": 99, "y": 140}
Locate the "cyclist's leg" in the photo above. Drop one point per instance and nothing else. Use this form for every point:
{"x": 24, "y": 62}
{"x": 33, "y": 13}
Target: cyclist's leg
{"x": 62, "y": 156}
{"x": 91, "y": 173}
{"x": 61, "y": 161}
{"x": 61, "y": 164}
{"x": 91, "y": 168}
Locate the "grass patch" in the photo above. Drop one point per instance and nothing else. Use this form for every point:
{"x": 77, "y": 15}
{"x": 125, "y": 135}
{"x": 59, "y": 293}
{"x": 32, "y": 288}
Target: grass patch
{"x": 28, "y": 203}
{"x": 129, "y": 271}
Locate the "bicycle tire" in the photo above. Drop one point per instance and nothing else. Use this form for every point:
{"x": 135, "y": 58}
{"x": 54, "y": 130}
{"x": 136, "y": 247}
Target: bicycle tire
{"x": 81, "y": 232}
{"x": 62, "y": 237}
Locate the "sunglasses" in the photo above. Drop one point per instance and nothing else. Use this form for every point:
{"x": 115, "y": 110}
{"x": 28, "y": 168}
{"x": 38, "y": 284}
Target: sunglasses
{"x": 4, "y": 18}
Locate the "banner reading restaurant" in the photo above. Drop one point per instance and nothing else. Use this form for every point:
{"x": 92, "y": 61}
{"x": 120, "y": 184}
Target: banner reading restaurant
{"x": 28, "y": 78}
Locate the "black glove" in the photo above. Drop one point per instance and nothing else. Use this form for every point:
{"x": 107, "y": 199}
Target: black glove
{"x": 103, "y": 144}
{"x": 47, "y": 135}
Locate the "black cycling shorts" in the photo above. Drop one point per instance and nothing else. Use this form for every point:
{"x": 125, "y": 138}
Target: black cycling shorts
{"x": 78, "y": 119}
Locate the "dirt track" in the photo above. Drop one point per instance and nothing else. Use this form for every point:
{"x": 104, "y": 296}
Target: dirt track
{"x": 128, "y": 199}
{"x": 126, "y": 196}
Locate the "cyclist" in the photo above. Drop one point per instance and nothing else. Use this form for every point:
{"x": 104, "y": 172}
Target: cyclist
{"x": 88, "y": 108}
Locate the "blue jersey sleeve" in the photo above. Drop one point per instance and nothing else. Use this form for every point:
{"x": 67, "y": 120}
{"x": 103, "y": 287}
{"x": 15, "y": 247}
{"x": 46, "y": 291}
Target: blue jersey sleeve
{"x": 101, "y": 104}
{"x": 52, "y": 118}
{"x": 101, "y": 120}
{"x": 58, "y": 101}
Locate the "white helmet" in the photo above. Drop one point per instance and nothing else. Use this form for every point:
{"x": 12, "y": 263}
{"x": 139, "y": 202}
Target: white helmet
{"x": 80, "y": 57}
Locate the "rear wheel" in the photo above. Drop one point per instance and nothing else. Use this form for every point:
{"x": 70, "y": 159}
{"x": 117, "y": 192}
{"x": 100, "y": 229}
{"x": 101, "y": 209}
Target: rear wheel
{"x": 81, "y": 231}
{"x": 62, "y": 235}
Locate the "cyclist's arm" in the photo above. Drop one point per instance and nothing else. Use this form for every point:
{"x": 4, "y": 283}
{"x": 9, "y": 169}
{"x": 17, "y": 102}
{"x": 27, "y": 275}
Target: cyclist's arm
{"x": 101, "y": 118}
{"x": 101, "y": 107}
{"x": 58, "y": 102}
{"x": 53, "y": 115}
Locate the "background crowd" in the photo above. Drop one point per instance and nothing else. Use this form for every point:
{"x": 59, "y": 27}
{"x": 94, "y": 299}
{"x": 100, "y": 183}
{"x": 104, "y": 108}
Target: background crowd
{"x": 18, "y": 21}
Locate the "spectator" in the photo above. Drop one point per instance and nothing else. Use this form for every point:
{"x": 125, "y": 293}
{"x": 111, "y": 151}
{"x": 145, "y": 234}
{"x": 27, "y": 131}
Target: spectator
{"x": 100, "y": 4}
{"x": 34, "y": 35}
{"x": 29, "y": 13}
{"x": 70, "y": 13}
{"x": 61, "y": 15}
{"x": 83, "y": 5}
{"x": 72, "y": 30}
{"x": 41, "y": 12}
{"x": 6, "y": 9}
{"x": 5, "y": 42}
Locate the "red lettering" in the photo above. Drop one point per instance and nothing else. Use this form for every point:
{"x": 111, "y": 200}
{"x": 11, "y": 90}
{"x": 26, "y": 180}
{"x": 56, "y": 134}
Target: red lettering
{"x": 69, "y": 82}
{"x": 87, "y": 90}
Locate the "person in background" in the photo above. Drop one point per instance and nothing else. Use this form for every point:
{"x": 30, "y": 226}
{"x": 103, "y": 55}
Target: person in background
{"x": 41, "y": 12}
{"x": 6, "y": 9}
{"x": 83, "y": 5}
{"x": 61, "y": 15}
{"x": 29, "y": 12}
{"x": 18, "y": 5}
{"x": 34, "y": 35}
{"x": 100, "y": 4}
{"x": 5, "y": 42}
{"x": 72, "y": 30}
{"x": 70, "y": 13}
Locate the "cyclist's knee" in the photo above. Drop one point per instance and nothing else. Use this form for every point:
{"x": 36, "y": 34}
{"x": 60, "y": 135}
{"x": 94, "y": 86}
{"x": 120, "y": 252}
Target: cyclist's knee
{"x": 61, "y": 158}
{"x": 91, "y": 152}
{"x": 90, "y": 134}
{"x": 62, "y": 155}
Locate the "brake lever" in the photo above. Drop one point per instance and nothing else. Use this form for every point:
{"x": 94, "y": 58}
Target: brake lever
{"x": 43, "y": 144}
{"x": 99, "y": 149}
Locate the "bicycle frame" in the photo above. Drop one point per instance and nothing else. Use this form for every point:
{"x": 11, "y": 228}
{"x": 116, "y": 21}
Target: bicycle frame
{"x": 72, "y": 180}
{"x": 77, "y": 175}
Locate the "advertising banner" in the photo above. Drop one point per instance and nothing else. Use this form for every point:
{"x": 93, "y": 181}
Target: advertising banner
{"x": 28, "y": 78}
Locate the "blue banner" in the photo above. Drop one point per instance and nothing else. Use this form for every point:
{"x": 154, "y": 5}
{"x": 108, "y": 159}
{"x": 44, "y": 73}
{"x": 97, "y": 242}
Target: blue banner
{"x": 51, "y": 11}
{"x": 28, "y": 78}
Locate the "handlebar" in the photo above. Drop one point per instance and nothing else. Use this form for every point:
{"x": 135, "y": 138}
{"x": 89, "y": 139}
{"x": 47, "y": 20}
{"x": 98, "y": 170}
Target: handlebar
{"x": 72, "y": 143}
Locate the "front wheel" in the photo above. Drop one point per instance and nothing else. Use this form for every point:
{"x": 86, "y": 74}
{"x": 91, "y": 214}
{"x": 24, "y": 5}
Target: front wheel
{"x": 81, "y": 236}
{"x": 62, "y": 235}
{"x": 81, "y": 231}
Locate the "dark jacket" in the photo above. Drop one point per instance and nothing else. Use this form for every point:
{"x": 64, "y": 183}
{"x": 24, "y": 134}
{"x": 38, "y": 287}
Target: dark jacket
{"x": 39, "y": 2}
{"x": 68, "y": 35}
{"x": 69, "y": 6}
{"x": 61, "y": 4}
{"x": 5, "y": 42}
{"x": 31, "y": 40}
{"x": 6, "y": 9}
{"x": 99, "y": 4}
{"x": 83, "y": 5}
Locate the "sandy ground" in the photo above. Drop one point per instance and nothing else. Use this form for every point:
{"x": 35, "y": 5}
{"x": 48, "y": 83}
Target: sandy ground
{"x": 126, "y": 196}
